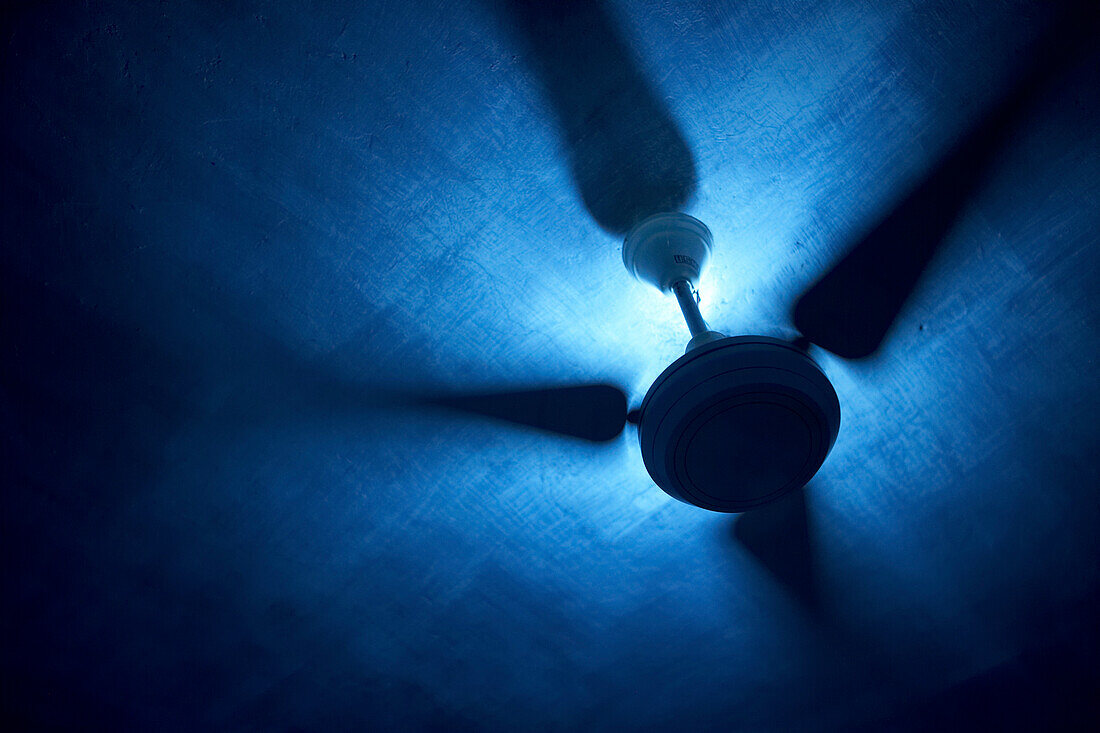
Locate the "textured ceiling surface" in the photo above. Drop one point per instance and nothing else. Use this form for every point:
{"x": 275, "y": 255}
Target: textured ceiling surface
{"x": 228, "y": 226}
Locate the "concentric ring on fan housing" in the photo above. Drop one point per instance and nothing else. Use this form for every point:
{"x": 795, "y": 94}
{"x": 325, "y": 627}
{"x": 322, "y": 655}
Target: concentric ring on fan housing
{"x": 738, "y": 423}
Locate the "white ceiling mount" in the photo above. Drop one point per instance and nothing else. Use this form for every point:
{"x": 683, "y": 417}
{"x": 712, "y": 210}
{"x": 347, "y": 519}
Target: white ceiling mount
{"x": 664, "y": 249}
{"x": 669, "y": 251}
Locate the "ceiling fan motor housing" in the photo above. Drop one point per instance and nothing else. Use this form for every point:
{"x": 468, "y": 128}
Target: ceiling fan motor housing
{"x": 738, "y": 423}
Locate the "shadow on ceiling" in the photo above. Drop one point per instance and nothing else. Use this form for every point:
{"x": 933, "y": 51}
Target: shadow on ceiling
{"x": 850, "y": 310}
{"x": 779, "y": 539}
{"x": 627, "y": 156}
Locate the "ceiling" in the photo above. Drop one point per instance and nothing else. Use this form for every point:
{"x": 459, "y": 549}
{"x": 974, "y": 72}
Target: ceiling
{"x": 229, "y": 227}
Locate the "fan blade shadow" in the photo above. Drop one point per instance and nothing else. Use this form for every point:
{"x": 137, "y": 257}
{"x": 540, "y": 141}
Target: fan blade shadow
{"x": 779, "y": 536}
{"x": 850, "y": 310}
{"x": 627, "y": 156}
{"x": 594, "y": 412}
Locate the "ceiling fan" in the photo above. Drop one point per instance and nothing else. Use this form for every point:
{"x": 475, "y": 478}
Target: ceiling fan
{"x": 737, "y": 422}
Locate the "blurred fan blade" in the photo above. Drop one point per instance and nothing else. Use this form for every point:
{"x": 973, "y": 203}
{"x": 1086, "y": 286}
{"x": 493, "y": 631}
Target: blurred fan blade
{"x": 595, "y": 412}
{"x": 628, "y": 158}
{"x": 850, "y": 310}
{"x": 779, "y": 536}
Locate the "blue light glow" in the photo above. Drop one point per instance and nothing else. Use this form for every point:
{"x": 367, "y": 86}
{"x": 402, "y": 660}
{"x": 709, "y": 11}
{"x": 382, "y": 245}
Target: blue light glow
{"x": 235, "y": 233}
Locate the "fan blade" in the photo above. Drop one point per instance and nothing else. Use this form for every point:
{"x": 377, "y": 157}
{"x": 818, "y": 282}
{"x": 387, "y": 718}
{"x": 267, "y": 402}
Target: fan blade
{"x": 627, "y": 156}
{"x": 595, "y": 412}
{"x": 779, "y": 536}
{"x": 850, "y": 310}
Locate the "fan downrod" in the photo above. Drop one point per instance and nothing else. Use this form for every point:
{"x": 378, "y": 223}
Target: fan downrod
{"x": 669, "y": 251}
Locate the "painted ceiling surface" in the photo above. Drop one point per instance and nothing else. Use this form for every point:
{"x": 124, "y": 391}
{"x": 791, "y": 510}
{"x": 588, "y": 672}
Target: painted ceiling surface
{"x": 230, "y": 229}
